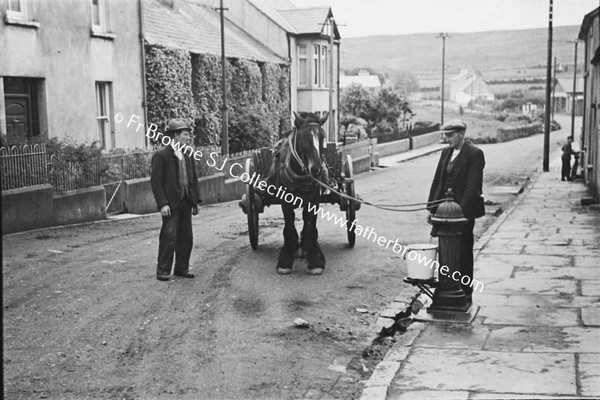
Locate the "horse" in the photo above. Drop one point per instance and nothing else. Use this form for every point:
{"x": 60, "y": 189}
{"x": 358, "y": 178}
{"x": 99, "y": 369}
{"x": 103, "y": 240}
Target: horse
{"x": 297, "y": 161}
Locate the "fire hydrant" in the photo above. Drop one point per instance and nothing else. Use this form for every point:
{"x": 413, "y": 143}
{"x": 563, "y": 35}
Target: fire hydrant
{"x": 448, "y": 221}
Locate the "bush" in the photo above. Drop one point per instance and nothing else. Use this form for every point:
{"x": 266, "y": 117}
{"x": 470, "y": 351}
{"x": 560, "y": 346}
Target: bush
{"x": 251, "y": 128}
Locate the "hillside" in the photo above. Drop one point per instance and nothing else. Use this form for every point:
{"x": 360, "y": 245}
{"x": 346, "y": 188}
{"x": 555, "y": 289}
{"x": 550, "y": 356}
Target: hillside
{"x": 497, "y": 54}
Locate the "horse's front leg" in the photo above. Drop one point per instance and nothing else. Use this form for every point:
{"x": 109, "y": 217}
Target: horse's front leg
{"x": 310, "y": 242}
{"x": 290, "y": 240}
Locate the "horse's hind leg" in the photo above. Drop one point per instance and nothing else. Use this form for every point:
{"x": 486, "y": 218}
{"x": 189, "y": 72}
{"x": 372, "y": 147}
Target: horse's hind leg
{"x": 290, "y": 241}
{"x": 310, "y": 243}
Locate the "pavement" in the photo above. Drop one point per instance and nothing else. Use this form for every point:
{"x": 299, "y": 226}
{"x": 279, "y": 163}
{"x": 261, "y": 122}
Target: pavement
{"x": 537, "y": 332}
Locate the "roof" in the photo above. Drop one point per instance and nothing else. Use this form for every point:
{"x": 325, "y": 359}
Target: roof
{"x": 430, "y": 83}
{"x": 587, "y": 22}
{"x": 366, "y": 81}
{"x": 197, "y": 28}
{"x": 308, "y": 20}
{"x": 270, "y": 7}
{"x": 567, "y": 84}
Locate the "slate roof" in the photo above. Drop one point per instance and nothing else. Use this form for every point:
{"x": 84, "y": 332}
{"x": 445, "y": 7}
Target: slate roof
{"x": 567, "y": 84}
{"x": 270, "y": 7}
{"x": 197, "y": 28}
{"x": 306, "y": 20}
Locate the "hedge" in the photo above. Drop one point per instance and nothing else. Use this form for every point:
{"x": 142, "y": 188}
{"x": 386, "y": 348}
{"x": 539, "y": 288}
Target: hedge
{"x": 186, "y": 85}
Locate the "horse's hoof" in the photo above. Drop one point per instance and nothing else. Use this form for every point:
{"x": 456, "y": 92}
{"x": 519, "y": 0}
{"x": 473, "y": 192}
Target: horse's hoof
{"x": 284, "y": 271}
{"x": 316, "y": 271}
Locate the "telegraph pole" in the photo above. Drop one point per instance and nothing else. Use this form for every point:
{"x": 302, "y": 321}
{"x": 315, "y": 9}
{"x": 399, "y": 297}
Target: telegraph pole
{"x": 332, "y": 135}
{"x": 546, "y": 162}
{"x": 553, "y": 90}
{"x": 225, "y": 126}
{"x": 443, "y": 36}
{"x": 573, "y": 104}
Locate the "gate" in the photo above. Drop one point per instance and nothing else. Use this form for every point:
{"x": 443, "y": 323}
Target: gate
{"x": 116, "y": 170}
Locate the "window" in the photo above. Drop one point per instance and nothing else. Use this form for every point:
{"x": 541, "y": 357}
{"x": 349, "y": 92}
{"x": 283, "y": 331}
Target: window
{"x": 302, "y": 65}
{"x": 103, "y": 107}
{"x": 17, "y": 9}
{"x": 316, "y": 66}
{"x": 99, "y": 16}
{"x": 324, "y": 70}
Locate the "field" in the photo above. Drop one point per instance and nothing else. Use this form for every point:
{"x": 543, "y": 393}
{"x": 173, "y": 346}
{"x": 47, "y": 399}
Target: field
{"x": 481, "y": 127}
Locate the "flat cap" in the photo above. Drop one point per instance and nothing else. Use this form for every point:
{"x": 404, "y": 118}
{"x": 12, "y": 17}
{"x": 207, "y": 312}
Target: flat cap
{"x": 178, "y": 124}
{"x": 456, "y": 125}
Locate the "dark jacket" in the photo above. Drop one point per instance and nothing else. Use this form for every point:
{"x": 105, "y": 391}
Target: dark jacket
{"x": 468, "y": 180}
{"x": 165, "y": 178}
{"x": 567, "y": 151}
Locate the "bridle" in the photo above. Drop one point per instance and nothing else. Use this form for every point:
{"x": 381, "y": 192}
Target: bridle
{"x": 295, "y": 154}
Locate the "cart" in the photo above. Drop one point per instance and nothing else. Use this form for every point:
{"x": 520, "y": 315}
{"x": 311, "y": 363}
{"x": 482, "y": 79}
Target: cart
{"x": 341, "y": 180}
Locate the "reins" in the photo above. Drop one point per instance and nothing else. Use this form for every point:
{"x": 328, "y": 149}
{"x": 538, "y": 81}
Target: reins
{"x": 387, "y": 207}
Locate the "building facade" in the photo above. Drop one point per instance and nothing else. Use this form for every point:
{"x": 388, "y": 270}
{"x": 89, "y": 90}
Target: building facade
{"x": 590, "y": 137}
{"x": 67, "y": 67}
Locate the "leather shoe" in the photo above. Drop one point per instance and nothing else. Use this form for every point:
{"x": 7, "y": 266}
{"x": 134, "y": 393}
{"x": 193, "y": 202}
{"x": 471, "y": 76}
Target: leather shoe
{"x": 184, "y": 274}
{"x": 163, "y": 277}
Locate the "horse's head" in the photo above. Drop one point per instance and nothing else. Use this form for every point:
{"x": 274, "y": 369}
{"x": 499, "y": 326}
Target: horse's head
{"x": 308, "y": 142}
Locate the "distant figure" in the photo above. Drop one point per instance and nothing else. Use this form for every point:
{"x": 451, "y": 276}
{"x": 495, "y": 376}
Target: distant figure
{"x": 567, "y": 151}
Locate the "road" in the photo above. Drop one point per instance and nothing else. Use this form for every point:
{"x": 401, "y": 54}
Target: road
{"x": 84, "y": 316}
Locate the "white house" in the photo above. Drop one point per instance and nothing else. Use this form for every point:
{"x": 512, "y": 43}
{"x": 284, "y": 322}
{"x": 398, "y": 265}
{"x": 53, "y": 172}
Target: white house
{"x": 466, "y": 86}
{"x": 364, "y": 79}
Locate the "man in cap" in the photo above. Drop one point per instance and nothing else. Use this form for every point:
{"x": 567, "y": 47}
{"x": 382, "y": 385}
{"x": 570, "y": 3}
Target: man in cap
{"x": 175, "y": 187}
{"x": 460, "y": 168}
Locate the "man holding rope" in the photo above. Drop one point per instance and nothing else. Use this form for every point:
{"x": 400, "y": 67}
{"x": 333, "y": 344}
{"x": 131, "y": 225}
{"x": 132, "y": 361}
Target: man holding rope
{"x": 460, "y": 168}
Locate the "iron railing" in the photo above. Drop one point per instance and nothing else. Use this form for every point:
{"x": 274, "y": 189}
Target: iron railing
{"x": 23, "y": 166}
{"x": 30, "y": 165}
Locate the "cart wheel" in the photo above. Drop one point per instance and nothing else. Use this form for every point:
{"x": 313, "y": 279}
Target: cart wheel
{"x": 252, "y": 211}
{"x": 350, "y": 205}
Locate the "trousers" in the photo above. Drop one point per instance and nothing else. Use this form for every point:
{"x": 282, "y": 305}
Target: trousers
{"x": 176, "y": 239}
{"x": 566, "y": 169}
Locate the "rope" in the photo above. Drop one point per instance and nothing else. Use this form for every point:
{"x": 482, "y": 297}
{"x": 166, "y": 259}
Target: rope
{"x": 387, "y": 207}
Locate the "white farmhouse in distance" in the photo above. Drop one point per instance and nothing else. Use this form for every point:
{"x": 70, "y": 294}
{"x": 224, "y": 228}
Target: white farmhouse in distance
{"x": 364, "y": 79}
{"x": 466, "y": 86}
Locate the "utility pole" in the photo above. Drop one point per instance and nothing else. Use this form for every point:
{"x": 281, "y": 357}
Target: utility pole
{"x": 332, "y": 135}
{"x": 225, "y": 126}
{"x": 546, "y": 162}
{"x": 574, "y": 103}
{"x": 554, "y": 90}
{"x": 443, "y": 36}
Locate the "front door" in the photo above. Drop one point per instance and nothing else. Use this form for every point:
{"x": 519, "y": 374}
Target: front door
{"x": 21, "y": 107}
{"x": 17, "y": 117}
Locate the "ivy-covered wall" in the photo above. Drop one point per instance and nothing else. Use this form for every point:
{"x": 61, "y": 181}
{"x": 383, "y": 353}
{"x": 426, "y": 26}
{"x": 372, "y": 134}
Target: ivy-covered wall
{"x": 168, "y": 84}
{"x": 258, "y": 99}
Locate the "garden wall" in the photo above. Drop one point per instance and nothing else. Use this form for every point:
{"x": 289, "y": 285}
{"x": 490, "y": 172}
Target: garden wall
{"x": 36, "y": 207}
{"x": 516, "y": 132}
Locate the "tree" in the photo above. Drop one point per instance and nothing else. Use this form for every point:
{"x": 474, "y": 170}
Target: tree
{"x": 357, "y": 101}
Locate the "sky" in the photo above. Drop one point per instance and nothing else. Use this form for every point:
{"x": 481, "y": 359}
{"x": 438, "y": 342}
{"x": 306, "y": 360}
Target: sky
{"x": 394, "y": 17}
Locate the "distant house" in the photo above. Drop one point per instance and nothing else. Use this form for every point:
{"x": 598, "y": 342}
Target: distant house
{"x": 363, "y": 79}
{"x": 590, "y": 138}
{"x": 67, "y": 67}
{"x": 467, "y": 86}
{"x": 567, "y": 85}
